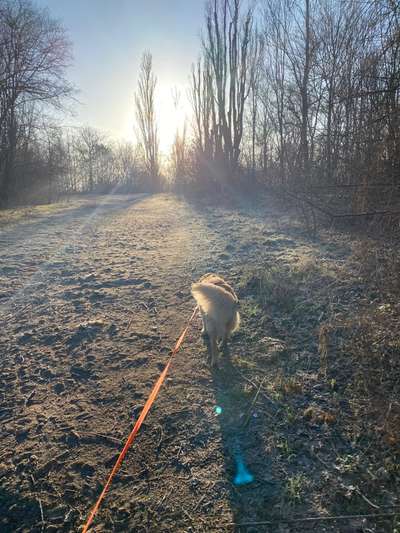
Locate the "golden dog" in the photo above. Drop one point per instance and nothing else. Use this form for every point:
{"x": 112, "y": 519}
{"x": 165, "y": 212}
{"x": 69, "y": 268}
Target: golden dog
{"x": 218, "y": 306}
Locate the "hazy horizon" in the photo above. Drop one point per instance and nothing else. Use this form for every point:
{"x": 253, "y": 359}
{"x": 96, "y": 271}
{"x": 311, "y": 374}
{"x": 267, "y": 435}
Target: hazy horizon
{"x": 108, "y": 40}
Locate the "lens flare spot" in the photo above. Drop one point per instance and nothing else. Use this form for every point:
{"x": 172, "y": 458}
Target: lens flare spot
{"x": 243, "y": 476}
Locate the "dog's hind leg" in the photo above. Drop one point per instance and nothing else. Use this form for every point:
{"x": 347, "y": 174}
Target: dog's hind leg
{"x": 203, "y": 320}
{"x": 204, "y": 332}
{"x": 213, "y": 350}
{"x": 228, "y": 330}
{"x": 206, "y": 340}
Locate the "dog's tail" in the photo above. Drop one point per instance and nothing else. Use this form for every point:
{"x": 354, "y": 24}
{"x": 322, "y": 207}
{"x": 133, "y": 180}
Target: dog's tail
{"x": 208, "y": 296}
{"x": 214, "y": 299}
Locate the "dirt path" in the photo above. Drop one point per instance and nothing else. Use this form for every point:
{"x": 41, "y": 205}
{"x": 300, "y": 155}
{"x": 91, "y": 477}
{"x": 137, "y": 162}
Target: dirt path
{"x": 92, "y": 298}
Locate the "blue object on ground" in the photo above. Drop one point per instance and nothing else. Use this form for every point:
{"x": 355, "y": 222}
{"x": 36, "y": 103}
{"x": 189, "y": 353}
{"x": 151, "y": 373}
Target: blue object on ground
{"x": 243, "y": 476}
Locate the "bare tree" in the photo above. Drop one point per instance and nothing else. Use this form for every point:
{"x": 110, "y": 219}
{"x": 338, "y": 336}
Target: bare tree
{"x": 146, "y": 119}
{"x": 34, "y": 55}
{"x": 89, "y": 146}
{"x": 126, "y": 166}
{"x": 274, "y": 87}
{"x": 207, "y": 141}
{"x": 330, "y": 92}
{"x": 226, "y": 48}
{"x": 255, "y": 73}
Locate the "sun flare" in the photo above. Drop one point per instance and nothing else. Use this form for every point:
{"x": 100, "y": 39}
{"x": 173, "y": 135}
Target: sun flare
{"x": 172, "y": 109}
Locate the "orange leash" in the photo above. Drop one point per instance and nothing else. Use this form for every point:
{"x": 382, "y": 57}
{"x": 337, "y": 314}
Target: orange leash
{"x": 138, "y": 423}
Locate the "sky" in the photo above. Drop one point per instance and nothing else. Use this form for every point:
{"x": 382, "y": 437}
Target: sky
{"x": 109, "y": 38}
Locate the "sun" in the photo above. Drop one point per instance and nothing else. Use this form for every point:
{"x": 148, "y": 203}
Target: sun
{"x": 172, "y": 110}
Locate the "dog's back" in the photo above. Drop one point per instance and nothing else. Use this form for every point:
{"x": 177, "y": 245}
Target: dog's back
{"x": 217, "y": 280}
{"x": 218, "y": 305}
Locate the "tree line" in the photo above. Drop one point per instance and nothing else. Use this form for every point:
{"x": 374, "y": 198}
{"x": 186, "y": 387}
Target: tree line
{"x": 300, "y": 95}
{"x": 303, "y": 95}
{"x": 39, "y": 159}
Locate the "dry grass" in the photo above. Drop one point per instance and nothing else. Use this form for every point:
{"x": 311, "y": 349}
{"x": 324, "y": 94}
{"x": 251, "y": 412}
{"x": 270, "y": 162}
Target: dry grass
{"x": 316, "y": 415}
{"x": 378, "y": 265}
{"x": 279, "y": 285}
{"x": 287, "y": 385}
{"x": 365, "y": 346}
{"x": 21, "y": 214}
{"x": 295, "y": 487}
